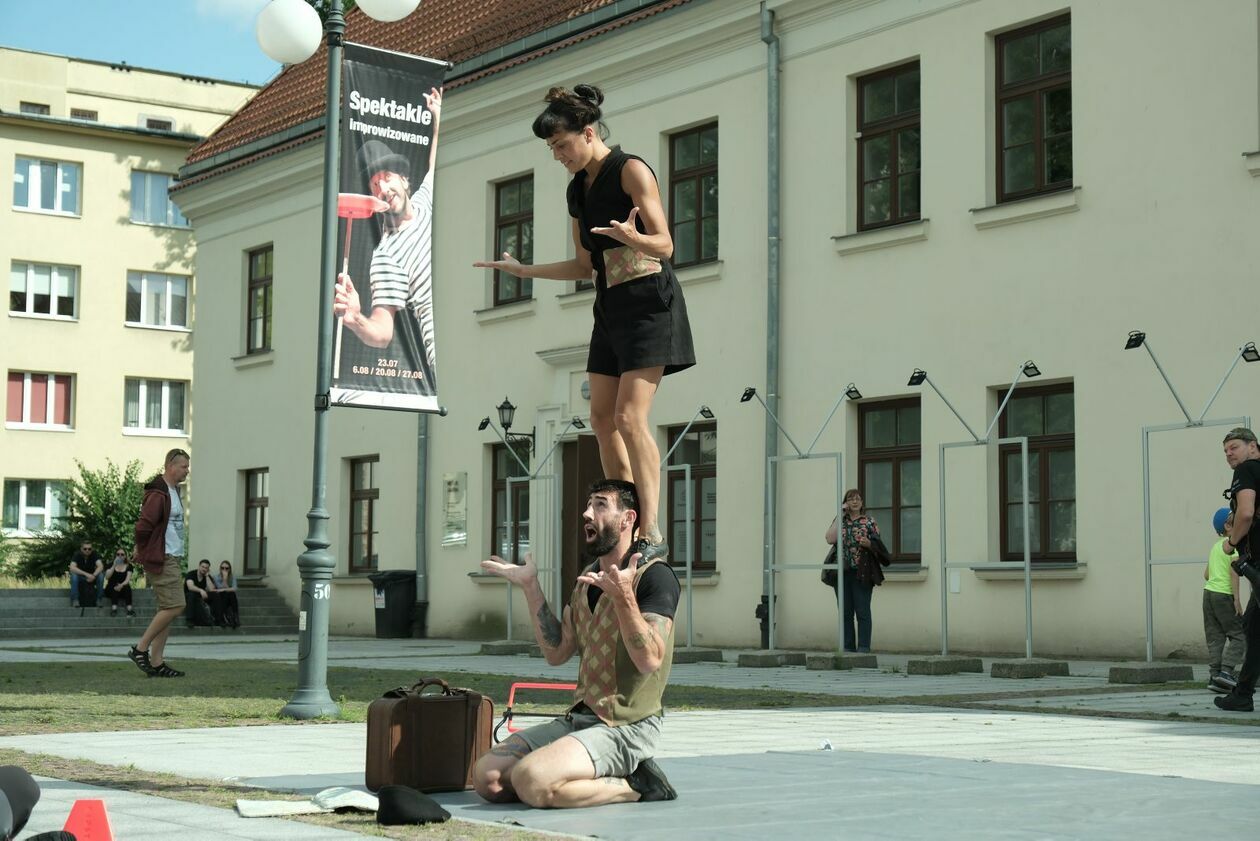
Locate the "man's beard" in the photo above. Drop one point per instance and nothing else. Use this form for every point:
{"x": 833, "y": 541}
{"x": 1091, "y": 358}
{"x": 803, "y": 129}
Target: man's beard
{"x": 606, "y": 538}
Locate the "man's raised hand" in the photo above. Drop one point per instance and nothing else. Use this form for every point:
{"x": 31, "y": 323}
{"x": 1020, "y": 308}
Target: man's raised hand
{"x": 617, "y": 581}
{"x": 519, "y": 574}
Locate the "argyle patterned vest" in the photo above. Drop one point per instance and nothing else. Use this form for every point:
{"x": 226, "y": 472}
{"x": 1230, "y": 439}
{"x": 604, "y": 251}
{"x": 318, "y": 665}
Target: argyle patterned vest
{"x": 608, "y": 681}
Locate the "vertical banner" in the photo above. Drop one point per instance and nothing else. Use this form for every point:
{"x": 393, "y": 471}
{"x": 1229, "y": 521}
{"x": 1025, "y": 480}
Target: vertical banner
{"x": 385, "y": 351}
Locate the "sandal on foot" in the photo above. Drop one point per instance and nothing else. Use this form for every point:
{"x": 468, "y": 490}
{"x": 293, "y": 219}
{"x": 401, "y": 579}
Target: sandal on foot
{"x": 649, "y": 551}
{"x": 165, "y": 670}
{"x": 141, "y": 659}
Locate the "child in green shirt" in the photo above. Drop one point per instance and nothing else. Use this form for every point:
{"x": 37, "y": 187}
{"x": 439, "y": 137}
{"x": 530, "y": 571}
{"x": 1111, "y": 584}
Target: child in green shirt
{"x": 1222, "y": 610}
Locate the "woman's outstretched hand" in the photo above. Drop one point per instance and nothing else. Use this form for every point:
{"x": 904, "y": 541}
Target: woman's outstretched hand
{"x": 624, "y": 232}
{"x": 508, "y": 264}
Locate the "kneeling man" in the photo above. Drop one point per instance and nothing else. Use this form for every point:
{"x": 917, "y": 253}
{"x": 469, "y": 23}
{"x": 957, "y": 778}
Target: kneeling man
{"x": 620, "y": 621}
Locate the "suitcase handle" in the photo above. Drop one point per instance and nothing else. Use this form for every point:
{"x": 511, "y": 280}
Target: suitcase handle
{"x": 420, "y": 685}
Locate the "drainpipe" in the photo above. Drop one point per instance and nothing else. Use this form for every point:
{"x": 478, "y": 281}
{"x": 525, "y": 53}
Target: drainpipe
{"x": 420, "y": 628}
{"x": 772, "y": 311}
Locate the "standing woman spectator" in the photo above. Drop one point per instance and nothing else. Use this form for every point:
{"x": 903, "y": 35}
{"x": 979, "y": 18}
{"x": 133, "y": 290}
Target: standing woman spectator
{"x": 226, "y": 608}
{"x": 861, "y": 555}
{"x": 118, "y": 584}
{"x": 641, "y": 332}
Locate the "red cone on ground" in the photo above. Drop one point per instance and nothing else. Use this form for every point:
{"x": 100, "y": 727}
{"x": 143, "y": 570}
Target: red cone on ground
{"x": 88, "y": 821}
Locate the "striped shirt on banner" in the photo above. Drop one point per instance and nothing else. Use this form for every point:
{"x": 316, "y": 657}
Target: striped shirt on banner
{"x": 402, "y": 273}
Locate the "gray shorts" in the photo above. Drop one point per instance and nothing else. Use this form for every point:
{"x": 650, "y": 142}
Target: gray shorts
{"x": 615, "y": 751}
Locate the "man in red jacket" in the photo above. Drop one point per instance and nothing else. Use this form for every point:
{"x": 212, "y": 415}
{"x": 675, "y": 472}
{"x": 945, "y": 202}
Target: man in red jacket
{"x": 160, "y": 549}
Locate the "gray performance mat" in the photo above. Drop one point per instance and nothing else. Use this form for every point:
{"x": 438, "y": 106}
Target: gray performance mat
{"x": 850, "y": 795}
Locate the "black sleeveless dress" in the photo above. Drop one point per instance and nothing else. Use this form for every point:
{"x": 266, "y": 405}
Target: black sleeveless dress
{"x": 640, "y": 323}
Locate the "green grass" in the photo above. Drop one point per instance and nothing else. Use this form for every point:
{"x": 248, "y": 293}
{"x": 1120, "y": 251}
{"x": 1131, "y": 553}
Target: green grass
{"x": 113, "y": 694}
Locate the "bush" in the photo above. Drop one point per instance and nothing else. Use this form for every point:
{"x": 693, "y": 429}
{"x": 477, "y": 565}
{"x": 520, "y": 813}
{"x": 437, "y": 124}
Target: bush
{"x": 103, "y": 506}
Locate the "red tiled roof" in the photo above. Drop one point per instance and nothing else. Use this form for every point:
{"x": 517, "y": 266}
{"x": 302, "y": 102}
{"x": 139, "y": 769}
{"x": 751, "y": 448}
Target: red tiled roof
{"x": 454, "y": 30}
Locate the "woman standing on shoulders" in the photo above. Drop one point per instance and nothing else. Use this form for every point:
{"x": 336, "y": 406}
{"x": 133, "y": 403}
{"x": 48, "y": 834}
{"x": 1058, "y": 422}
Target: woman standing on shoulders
{"x": 641, "y": 330}
{"x": 861, "y": 555}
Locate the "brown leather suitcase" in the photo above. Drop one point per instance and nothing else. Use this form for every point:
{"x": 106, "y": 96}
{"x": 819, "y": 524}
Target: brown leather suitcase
{"x": 428, "y": 742}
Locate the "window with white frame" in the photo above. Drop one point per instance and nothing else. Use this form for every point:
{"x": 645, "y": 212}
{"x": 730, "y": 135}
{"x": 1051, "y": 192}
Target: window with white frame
{"x": 150, "y": 202}
{"x": 46, "y": 186}
{"x": 157, "y": 300}
{"x": 155, "y": 405}
{"x": 39, "y": 401}
{"x": 41, "y": 289}
{"x": 33, "y": 505}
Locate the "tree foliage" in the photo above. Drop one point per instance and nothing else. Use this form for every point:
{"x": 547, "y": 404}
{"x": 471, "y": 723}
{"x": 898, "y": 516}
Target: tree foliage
{"x": 103, "y": 506}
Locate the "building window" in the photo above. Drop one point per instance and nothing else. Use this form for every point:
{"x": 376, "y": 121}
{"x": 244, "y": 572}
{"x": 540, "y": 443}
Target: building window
{"x": 1048, "y": 417}
{"x": 1034, "y": 109}
{"x": 155, "y": 405}
{"x": 363, "y": 497}
{"x": 39, "y": 401}
{"x": 151, "y": 203}
{"x": 514, "y": 233}
{"x": 41, "y": 289}
{"x": 257, "y": 488}
{"x": 699, "y": 449}
{"x": 693, "y": 195}
{"x": 888, "y": 146}
{"x": 157, "y": 300}
{"x": 34, "y": 108}
{"x": 516, "y": 532}
{"x": 33, "y": 505}
{"x": 889, "y": 467}
{"x": 47, "y": 186}
{"x": 158, "y": 124}
{"x": 83, "y": 114}
{"x": 258, "y": 307}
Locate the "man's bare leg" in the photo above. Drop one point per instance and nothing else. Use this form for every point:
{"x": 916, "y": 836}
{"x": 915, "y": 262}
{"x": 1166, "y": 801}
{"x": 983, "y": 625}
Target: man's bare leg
{"x": 492, "y": 775}
{"x": 154, "y": 638}
{"x": 562, "y": 776}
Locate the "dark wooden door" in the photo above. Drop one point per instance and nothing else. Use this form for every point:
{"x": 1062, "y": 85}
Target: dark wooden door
{"x": 581, "y": 469}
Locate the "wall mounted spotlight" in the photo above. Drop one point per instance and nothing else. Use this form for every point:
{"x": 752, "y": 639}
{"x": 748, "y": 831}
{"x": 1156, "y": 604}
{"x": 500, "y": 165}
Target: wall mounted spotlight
{"x": 851, "y": 392}
{"x": 706, "y": 413}
{"x": 1249, "y": 352}
{"x": 917, "y": 377}
{"x": 1031, "y": 369}
{"x": 481, "y": 427}
{"x": 748, "y": 394}
{"x": 1136, "y": 338}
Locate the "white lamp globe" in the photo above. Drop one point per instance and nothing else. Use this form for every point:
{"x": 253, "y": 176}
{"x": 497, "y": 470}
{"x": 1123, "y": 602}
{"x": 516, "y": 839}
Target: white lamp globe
{"x": 289, "y": 31}
{"x": 388, "y": 10}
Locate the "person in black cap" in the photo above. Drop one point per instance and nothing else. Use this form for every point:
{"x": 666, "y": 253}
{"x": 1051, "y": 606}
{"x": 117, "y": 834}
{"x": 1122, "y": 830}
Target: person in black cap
{"x": 18, "y": 795}
{"x": 620, "y": 622}
{"x": 1242, "y": 453}
{"x": 401, "y": 270}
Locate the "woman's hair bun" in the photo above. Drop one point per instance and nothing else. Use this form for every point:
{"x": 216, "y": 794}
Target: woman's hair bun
{"x": 590, "y": 93}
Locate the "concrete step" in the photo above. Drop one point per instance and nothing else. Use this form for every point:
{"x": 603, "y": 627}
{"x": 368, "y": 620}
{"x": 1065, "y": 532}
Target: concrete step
{"x": 25, "y": 614}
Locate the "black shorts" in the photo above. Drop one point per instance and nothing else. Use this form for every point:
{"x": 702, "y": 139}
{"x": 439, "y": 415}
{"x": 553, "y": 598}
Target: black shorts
{"x": 641, "y": 323}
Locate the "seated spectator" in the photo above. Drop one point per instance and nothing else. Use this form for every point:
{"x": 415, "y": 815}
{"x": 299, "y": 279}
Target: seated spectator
{"x": 198, "y": 585}
{"x": 86, "y": 576}
{"x": 226, "y": 608}
{"x": 118, "y": 584}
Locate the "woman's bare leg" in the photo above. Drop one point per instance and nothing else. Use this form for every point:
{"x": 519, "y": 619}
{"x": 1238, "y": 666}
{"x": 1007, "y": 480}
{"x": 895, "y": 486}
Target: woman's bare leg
{"x": 635, "y": 392}
{"x": 612, "y": 449}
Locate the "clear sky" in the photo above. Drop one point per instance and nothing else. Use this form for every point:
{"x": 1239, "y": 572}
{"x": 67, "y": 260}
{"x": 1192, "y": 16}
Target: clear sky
{"x": 212, "y": 38}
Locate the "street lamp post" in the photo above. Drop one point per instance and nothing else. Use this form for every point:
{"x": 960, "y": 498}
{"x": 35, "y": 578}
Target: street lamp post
{"x": 285, "y": 29}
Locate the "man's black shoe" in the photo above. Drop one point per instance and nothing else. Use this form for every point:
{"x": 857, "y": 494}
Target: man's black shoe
{"x": 649, "y": 551}
{"x": 651, "y": 783}
{"x": 1235, "y": 703}
{"x": 1249, "y": 571}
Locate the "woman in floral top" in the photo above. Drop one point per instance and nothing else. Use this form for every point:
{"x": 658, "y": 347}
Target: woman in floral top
{"x": 861, "y": 576}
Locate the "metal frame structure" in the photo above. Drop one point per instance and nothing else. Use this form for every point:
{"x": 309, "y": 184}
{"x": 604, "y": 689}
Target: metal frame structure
{"x": 707, "y": 413}
{"x": 552, "y": 586}
{"x": 1137, "y": 339}
{"x": 1026, "y": 369}
{"x": 851, "y": 392}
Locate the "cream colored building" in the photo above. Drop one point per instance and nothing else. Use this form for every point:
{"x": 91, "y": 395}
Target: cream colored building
{"x": 1064, "y": 174}
{"x": 97, "y": 343}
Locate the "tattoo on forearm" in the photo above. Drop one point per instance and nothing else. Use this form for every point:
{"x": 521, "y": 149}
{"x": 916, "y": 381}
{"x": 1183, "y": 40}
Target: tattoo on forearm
{"x": 550, "y": 626}
{"x": 638, "y": 640}
{"x": 656, "y": 638}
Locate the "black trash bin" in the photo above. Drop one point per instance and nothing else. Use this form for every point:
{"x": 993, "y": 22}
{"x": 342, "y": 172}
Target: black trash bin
{"x": 394, "y": 594}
